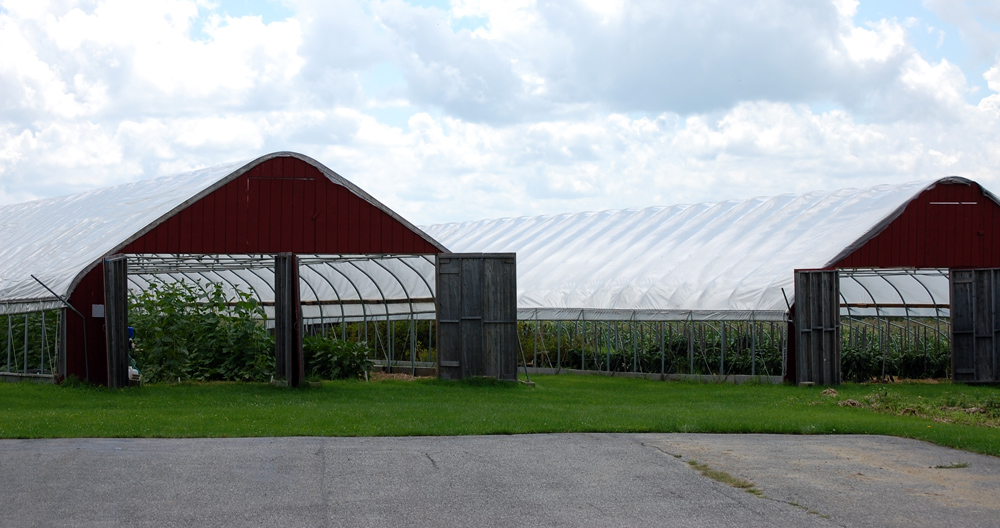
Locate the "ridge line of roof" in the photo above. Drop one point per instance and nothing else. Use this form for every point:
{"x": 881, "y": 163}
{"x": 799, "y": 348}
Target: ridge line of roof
{"x": 547, "y": 216}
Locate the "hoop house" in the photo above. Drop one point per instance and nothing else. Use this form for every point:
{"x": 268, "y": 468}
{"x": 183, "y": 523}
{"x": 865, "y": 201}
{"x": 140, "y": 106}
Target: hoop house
{"x": 358, "y": 260}
{"x": 729, "y": 263}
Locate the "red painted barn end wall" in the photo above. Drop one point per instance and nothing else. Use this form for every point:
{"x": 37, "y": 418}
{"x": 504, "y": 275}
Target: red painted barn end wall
{"x": 952, "y": 225}
{"x": 283, "y": 204}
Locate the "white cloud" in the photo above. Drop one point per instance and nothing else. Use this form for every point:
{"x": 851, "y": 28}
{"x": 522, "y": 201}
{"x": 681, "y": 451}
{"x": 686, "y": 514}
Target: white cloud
{"x": 885, "y": 41}
{"x": 444, "y": 169}
{"x": 552, "y": 60}
{"x": 846, "y": 8}
{"x": 30, "y": 84}
{"x": 943, "y": 81}
{"x": 129, "y": 54}
{"x": 541, "y": 108}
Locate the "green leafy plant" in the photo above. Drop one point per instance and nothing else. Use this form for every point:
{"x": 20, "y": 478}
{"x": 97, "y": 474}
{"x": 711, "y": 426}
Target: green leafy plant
{"x": 199, "y": 332}
{"x": 887, "y": 349}
{"x": 331, "y": 358}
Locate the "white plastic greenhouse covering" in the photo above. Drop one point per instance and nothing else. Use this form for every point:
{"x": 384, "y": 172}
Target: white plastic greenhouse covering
{"x": 58, "y": 240}
{"x": 733, "y": 260}
{"x": 727, "y": 261}
{"x": 333, "y": 288}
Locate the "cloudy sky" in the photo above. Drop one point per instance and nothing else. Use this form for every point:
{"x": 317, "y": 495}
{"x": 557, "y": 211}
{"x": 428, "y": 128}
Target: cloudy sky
{"x": 468, "y": 109}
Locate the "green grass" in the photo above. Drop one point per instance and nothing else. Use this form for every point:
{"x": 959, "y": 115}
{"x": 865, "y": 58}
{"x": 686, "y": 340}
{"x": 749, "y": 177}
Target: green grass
{"x": 432, "y": 407}
{"x": 956, "y": 465}
{"x": 725, "y": 478}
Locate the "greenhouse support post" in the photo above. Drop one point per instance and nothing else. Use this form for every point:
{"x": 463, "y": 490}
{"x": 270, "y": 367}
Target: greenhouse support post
{"x": 24, "y": 366}
{"x": 10, "y": 341}
{"x": 690, "y": 336}
{"x": 534, "y": 343}
{"x": 607, "y": 348}
{"x": 558, "y": 344}
{"x": 722, "y": 351}
{"x": 662, "y": 351}
{"x": 41, "y": 365}
{"x": 413, "y": 347}
{"x": 635, "y": 349}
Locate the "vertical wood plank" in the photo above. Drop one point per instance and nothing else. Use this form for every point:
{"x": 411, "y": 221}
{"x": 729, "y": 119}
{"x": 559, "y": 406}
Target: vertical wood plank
{"x": 298, "y": 215}
{"x": 322, "y": 185}
{"x": 342, "y": 221}
{"x": 116, "y": 320}
{"x": 353, "y": 224}
{"x": 232, "y": 219}
{"x": 209, "y": 222}
{"x": 287, "y": 218}
{"x": 377, "y": 231}
{"x": 186, "y": 228}
{"x": 309, "y": 229}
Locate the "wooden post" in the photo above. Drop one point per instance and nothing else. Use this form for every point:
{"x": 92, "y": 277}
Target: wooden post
{"x": 288, "y": 364}
{"x": 116, "y": 319}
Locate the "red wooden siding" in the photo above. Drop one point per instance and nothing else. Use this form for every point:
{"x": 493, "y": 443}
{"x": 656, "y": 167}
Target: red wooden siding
{"x": 89, "y": 292}
{"x": 281, "y": 205}
{"x": 952, "y": 225}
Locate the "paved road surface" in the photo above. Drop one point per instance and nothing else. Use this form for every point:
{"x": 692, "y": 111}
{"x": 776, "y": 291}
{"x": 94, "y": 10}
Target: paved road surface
{"x": 517, "y": 480}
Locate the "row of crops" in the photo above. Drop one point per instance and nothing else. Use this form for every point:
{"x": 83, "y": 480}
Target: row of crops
{"x": 872, "y": 348}
{"x": 908, "y": 348}
{"x": 702, "y": 348}
{"x": 203, "y": 333}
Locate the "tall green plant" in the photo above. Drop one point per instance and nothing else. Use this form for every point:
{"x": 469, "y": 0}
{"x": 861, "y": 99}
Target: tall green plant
{"x": 201, "y": 333}
{"x": 868, "y": 356}
{"x": 330, "y": 358}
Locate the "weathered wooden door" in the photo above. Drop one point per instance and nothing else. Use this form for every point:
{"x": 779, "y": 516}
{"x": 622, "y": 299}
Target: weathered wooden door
{"x": 817, "y": 322}
{"x": 975, "y": 325}
{"x": 477, "y": 315}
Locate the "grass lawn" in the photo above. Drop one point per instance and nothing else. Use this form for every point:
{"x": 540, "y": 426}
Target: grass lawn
{"x": 960, "y": 416}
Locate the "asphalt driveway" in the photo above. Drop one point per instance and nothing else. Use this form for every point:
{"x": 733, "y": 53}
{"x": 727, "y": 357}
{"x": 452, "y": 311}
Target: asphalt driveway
{"x": 516, "y": 480}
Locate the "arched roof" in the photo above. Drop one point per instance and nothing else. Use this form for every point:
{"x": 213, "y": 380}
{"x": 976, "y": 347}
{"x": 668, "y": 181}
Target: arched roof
{"x": 59, "y": 240}
{"x": 728, "y": 260}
